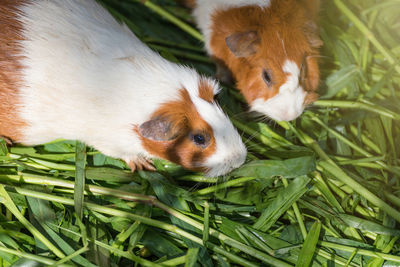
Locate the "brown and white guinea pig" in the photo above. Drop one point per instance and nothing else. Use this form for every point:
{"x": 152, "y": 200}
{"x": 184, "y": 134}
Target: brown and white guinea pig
{"x": 269, "y": 46}
{"x": 69, "y": 70}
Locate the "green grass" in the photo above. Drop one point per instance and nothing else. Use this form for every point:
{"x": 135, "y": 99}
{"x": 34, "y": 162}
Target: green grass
{"x": 321, "y": 191}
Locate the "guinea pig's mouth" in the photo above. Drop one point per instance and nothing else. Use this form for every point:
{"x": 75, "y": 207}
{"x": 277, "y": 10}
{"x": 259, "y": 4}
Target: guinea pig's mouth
{"x": 277, "y": 114}
{"x": 226, "y": 166}
{"x": 285, "y": 106}
{"x": 218, "y": 172}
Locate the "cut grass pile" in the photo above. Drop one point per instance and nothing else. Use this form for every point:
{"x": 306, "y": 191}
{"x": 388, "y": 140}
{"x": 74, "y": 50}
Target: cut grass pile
{"x": 321, "y": 191}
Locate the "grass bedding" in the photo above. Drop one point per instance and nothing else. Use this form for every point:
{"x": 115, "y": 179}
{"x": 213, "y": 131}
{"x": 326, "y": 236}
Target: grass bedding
{"x": 321, "y": 191}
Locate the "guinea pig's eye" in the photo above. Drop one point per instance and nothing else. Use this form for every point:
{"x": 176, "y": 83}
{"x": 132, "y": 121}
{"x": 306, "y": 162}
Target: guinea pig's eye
{"x": 266, "y": 75}
{"x": 200, "y": 139}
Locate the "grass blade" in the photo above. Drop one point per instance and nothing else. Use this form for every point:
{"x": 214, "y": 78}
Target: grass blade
{"x": 80, "y": 163}
{"x": 308, "y": 250}
{"x": 7, "y": 201}
{"x": 286, "y": 197}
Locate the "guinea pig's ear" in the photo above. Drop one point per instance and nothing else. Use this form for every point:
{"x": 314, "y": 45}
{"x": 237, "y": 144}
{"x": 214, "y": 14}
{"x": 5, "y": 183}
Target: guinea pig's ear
{"x": 243, "y": 44}
{"x": 158, "y": 129}
{"x": 310, "y": 27}
{"x": 312, "y": 33}
{"x": 312, "y": 8}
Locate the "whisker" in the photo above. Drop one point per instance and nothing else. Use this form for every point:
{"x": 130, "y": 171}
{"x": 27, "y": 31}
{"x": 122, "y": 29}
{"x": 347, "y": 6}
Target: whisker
{"x": 283, "y": 44}
{"x": 194, "y": 187}
{"x": 253, "y": 145}
{"x": 302, "y": 71}
{"x": 240, "y": 114}
{"x": 317, "y": 56}
{"x": 250, "y": 138}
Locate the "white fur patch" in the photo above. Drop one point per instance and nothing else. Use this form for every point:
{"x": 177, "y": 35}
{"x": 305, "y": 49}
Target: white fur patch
{"x": 206, "y": 8}
{"x": 89, "y": 78}
{"x": 288, "y": 104}
{"x": 230, "y": 151}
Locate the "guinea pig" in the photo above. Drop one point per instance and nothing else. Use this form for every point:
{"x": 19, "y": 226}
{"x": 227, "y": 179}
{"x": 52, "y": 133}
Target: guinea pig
{"x": 69, "y": 70}
{"x": 269, "y": 46}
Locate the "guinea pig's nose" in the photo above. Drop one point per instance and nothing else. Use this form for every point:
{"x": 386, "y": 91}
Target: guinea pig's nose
{"x": 289, "y": 114}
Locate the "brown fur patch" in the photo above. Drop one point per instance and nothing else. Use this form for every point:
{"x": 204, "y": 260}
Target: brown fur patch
{"x": 285, "y": 33}
{"x": 185, "y": 120}
{"x": 206, "y": 91}
{"x": 10, "y": 70}
{"x": 187, "y": 3}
